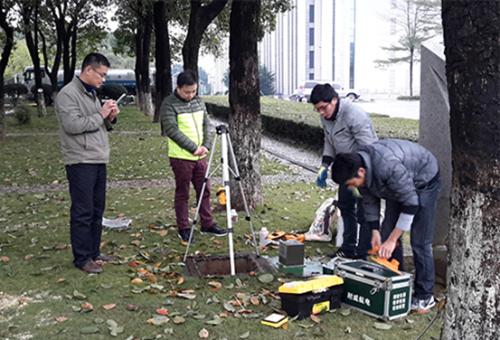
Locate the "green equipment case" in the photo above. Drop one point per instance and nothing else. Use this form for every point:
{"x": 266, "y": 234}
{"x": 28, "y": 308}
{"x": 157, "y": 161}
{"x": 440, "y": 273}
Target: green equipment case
{"x": 374, "y": 289}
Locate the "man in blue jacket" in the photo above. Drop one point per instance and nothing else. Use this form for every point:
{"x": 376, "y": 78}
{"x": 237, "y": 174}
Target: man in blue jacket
{"x": 347, "y": 127}
{"x": 406, "y": 175}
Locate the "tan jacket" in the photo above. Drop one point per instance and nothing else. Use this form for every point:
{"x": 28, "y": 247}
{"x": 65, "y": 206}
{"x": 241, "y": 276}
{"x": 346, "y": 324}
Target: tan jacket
{"x": 82, "y": 133}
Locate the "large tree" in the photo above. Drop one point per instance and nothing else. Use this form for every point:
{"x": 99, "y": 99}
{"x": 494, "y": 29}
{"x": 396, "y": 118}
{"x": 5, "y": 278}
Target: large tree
{"x": 244, "y": 99}
{"x": 30, "y": 10}
{"x": 472, "y": 49}
{"x": 415, "y": 21}
{"x": 163, "y": 79}
{"x": 7, "y": 39}
{"x": 64, "y": 21}
{"x": 200, "y": 16}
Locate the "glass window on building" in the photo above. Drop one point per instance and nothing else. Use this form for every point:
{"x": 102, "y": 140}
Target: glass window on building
{"x": 311, "y": 36}
{"x": 311, "y": 59}
{"x": 311, "y": 76}
{"x": 311, "y": 13}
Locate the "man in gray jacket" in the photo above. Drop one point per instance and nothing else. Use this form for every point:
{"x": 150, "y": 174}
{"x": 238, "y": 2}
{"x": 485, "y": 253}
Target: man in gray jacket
{"x": 83, "y": 135}
{"x": 406, "y": 175}
{"x": 346, "y": 127}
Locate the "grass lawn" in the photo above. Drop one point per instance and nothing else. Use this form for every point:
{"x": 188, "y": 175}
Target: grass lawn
{"x": 44, "y": 297}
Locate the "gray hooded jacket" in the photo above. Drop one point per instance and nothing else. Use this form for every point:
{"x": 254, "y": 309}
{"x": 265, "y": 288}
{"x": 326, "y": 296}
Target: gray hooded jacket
{"x": 395, "y": 170}
{"x": 351, "y": 129}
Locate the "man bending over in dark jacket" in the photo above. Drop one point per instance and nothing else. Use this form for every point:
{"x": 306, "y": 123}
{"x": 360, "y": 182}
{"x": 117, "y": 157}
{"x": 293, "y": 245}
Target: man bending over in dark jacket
{"x": 406, "y": 175}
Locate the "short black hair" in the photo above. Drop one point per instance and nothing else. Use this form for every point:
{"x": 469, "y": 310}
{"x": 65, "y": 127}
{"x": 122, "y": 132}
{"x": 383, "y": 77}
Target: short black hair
{"x": 323, "y": 93}
{"x": 187, "y": 77}
{"x": 95, "y": 59}
{"x": 346, "y": 166}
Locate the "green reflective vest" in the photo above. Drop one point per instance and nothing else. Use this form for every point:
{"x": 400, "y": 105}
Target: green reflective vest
{"x": 191, "y": 125}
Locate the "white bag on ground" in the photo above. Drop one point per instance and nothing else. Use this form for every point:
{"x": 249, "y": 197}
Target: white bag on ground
{"x": 327, "y": 216}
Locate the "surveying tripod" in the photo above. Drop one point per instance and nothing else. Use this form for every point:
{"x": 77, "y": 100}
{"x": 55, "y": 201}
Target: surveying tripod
{"x": 227, "y": 155}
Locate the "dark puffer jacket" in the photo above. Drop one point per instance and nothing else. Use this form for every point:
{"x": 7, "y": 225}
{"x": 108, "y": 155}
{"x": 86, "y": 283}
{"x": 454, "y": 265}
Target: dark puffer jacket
{"x": 395, "y": 170}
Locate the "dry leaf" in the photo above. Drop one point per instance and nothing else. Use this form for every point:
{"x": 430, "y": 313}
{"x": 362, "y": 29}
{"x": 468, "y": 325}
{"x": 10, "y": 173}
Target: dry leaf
{"x": 254, "y": 300}
{"x": 151, "y": 278}
{"x": 315, "y": 318}
{"x": 109, "y": 306}
{"x": 136, "y": 281}
{"x": 178, "y": 320}
{"x": 180, "y": 280}
{"x": 162, "y": 311}
{"x": 215, "y": 284}
{"x": 4, "y": 259}
{"x": 61, "y": 318}
{"x": 203, "y": 334}
{"x": 87, "y": 307}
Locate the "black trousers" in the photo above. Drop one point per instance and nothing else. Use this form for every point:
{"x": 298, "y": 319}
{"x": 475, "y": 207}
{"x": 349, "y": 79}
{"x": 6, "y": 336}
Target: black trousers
{"x": 87, "y": 188}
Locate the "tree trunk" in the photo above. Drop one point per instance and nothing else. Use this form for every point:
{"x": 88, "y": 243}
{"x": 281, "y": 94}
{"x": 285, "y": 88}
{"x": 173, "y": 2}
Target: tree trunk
{"x": 412, "y": 55}
{"x": 245, "y": 121}
{"x": 199, "y": 19}
{"x": 143, "y": 45}
{"x": 52, "y": 73}
{"x": 163, "y": 79}
{"x": 8, "y": 41}
{"x": 471, "y": 36}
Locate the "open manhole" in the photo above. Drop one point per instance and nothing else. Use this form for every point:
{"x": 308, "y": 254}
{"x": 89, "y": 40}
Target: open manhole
{"x": 220, "y": 265}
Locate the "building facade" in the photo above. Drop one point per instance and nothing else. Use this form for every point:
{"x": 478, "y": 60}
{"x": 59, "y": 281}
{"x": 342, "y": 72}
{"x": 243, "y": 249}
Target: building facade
{"x": 335, "y": 40}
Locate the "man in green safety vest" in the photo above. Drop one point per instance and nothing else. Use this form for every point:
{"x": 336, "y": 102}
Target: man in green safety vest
{"x": 185, "y": 122}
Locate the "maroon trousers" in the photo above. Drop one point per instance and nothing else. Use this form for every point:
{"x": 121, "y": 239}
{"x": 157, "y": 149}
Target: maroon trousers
{"x": 187, "y": 172}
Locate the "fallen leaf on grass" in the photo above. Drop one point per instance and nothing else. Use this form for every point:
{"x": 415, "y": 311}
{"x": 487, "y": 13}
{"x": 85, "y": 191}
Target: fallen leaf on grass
{"x": 245, "y": 335}
{"x": 114, "y": 328}
{"x": 266, "y": 278}
{"x": 162, "y": 311}
{"x": 178, "y": 320}
{"x": 158, "y": 320}
{"x": 109, "y": 306}
{"x": 203, "y": 334}
{"x": 87, "y": 307}
{"x": 180, "y": 280}
{"x": 215, "y": 284}
{"x": 382, "y": 326}
{"x": 254, "y": 300}
{"x": 136, "y": 281}
{"x": 61, "y": 280}
{"x": 29, "y": 257}
{"x": 215, "y": 322}
{"x": 79, "y": 296}
{"x": 229, "y": 307}
{"x": 61, "y": 318}
{"x": 186, "y": 296}
{"x": 345, "y": 312}
{"x": 89, "y": 330}
{"x": 315, "y": 318}
{"x": 132, "y": 308}
{"x": 366, "y": 337}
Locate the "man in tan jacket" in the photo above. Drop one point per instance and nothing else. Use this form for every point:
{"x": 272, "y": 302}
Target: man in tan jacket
{"x": 84, "y": 141}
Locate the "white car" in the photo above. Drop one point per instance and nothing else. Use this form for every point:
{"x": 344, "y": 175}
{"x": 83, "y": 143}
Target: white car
{"x": 303, "y": 93}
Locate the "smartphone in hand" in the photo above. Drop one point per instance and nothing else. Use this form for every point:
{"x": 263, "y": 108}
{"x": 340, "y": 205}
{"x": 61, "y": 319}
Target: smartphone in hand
{"x": 121, "y": 98}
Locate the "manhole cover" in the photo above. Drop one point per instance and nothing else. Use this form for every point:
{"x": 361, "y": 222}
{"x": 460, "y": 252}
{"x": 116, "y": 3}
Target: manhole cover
{"x": 220, "y": 265}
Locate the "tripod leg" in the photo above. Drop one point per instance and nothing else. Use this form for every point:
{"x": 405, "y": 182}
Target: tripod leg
{"x": 198, "y": 206}
{"x": 225, "y": 179}
{"x": 238, "y": 179}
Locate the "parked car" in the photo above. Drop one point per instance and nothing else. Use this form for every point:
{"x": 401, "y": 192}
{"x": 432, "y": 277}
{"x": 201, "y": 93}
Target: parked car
{"x": 303, "y": 93}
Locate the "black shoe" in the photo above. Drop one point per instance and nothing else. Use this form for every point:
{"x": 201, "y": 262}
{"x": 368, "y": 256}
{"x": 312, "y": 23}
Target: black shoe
{"x": 343, "y": 255}
{"x": 184, "y": 235}
{"x": 214, "y": 229}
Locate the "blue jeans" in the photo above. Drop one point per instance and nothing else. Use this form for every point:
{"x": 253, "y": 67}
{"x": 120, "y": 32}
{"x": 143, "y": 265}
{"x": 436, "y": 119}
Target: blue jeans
{"x": 352, "y": 213}
{"x": 87, "y": 188}
{"x": 422, "y": 233}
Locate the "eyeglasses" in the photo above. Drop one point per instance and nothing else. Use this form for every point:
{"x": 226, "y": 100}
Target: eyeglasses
{"x": 321, "y": 108}
{"x": 102, "y": 75}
